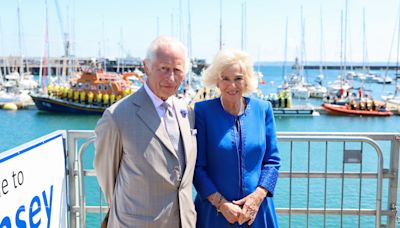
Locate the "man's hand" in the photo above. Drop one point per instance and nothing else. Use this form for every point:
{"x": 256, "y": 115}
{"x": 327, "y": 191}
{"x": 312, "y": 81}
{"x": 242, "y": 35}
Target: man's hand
{"x": 250, "y": 205}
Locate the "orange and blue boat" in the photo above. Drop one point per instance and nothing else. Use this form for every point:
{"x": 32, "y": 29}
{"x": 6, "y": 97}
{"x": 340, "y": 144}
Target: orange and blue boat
{"x": 346, "y": 110}
{"x": 90, "y": 93}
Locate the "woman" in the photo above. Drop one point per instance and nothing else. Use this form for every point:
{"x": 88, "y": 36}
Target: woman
{"x": 238, "y": 160}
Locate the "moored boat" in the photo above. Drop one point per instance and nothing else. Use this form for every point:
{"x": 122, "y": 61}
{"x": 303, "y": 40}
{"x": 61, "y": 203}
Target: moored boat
{"x": 90, "y": 93}
{"x": 346, "y": 110}
{"x": 53, "y": 104}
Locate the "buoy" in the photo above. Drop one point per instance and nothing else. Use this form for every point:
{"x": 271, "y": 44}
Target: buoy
{"x": 70, "y": 92}
{"x": 99, "y": 97}
{"x": 112, "y": 98}
{"x": 90, "y": 97}
{"x": 106, "y": 98}
{"x": 50, "y": 89}
{"x": 76, "y": 95}
{"x": 10, "y": 106}
{"x": 82, "y": 96}
{"x": 126, "y": 92}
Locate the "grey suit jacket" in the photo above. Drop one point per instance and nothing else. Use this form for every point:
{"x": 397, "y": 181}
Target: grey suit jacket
{"x": 138, "y": 169}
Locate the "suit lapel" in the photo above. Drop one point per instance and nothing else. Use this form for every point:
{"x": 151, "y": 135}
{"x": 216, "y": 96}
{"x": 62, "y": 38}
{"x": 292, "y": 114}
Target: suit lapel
{"x": 148, "y": 114}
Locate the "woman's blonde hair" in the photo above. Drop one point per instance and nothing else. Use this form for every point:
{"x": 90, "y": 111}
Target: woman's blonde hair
{"x": 226, "y": 58}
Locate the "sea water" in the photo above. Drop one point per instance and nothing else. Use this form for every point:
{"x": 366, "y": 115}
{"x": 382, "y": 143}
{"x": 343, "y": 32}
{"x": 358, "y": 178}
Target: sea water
{"x": 18, "y": 127}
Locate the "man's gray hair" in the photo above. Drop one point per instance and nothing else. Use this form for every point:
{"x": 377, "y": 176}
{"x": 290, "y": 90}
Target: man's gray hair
{"x": 168, "y": 41}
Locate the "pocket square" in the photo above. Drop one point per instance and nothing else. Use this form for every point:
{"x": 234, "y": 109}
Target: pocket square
{"x": 193, "y": 131}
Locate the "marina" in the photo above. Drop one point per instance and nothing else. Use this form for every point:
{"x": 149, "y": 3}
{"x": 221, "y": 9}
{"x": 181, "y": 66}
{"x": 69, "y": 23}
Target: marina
{"x": 25, "y": 125}
{"x": 330, "y": 70}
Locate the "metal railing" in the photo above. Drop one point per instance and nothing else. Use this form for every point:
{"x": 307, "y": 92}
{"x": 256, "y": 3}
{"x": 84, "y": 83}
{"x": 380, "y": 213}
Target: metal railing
{"x": 353, "y": 148}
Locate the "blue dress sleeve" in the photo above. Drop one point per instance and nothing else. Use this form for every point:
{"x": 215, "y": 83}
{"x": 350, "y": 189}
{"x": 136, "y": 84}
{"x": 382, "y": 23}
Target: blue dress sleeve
{"x": 202, "y": 182}
{"x": 271, "y": 161}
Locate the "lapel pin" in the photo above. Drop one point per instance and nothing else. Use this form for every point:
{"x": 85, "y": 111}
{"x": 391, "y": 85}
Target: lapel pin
{"x": 184, "y": 112}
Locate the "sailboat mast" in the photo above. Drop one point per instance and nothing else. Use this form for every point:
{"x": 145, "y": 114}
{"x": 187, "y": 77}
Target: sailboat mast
{"x": 172, "y": 25}
{"x": 397, "y": 76}
{"x": 43, "y": 70}
{"x": 341, "y": 43}
{"x": 302, "y": 44}
{"x": 121, "y": 50}
{"x": 244, "y": 27}
{"x": 364, "y": 43}
{"x": 157, "y": 26}
{"x": 345, "y": 37}
{"x": 189, "y": 35}
{"x": 21, "y": 66}
{"x": 220, "y": 24}
{"x": 189, "y": 43}
{"x": 181, "y": 34}
{"x": 285, "y": 51}
{"x": 321, "y": 45}
{"x": 398, "y": 48}
{"x": 2, "y": 49}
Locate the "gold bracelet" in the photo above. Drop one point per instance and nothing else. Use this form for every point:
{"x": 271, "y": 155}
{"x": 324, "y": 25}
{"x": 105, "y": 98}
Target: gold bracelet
{"x": 218, "y": 204}
{"x": 223, "y": 200}
{"x": 214, "y": 201}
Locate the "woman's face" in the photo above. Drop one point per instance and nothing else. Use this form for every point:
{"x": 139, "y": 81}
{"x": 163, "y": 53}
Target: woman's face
{"x": 232, "y": 83}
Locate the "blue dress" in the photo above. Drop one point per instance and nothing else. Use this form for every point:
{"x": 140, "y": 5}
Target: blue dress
{"x": 235, "y": 160}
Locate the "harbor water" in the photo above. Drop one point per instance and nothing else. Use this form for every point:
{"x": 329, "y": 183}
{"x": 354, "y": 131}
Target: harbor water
{"x": 18, "y": 127}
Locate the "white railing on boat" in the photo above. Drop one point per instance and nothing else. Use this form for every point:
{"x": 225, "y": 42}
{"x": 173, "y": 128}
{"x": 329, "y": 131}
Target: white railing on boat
{"x": 344, "y": 158}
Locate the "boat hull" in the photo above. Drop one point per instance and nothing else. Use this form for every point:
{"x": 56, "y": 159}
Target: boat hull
{"x": 296, "y": 111}
{"x": 344, "y": 110}
{"x": 50, "y": 104}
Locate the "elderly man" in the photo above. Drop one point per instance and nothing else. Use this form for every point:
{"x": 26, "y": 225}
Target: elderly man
{"x": 146, "y": 147}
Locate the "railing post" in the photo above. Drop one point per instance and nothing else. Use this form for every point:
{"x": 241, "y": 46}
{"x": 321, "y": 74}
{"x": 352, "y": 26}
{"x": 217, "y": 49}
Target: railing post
{"x": 71, "y": 178}
{"x": 394, "y": 171}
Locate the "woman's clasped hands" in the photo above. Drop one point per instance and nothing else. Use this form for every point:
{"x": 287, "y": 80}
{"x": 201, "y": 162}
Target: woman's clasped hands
{"x": 243, "y": 210}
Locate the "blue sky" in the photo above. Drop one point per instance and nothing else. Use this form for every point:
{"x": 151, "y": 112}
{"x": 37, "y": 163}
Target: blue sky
{"x": 99, "y": 27}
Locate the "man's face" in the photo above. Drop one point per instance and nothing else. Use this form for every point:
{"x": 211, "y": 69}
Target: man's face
{"x": 166, "y": 72}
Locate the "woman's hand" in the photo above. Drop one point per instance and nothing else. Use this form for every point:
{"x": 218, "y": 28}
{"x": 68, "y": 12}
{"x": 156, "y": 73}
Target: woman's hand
{"x": 250, "y": 205}
{"x": 230, "y": 211}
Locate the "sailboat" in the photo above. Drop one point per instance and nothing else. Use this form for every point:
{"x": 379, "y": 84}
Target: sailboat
{"x": 317, "y": 90}
{"x": 295, "y": 82}
{"x": 339, "y": 89}
{"x": 392, "y": 100}
{"x": 18, "y": 85}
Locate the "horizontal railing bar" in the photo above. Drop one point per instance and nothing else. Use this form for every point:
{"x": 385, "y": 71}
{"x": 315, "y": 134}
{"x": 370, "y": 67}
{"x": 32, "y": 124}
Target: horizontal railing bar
{"x": 372, "y": 135}
{"x": 92, "y": 173}
{"x": 329, "y": 175}
{"x": 323, "y": 138}
{"x": 89, "y": 172}
{"x": 91, "y": 209}
{"x": 331, "y": 211}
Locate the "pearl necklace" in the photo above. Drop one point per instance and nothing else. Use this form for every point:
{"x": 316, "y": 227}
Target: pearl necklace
{"x": 241, "y": 110}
